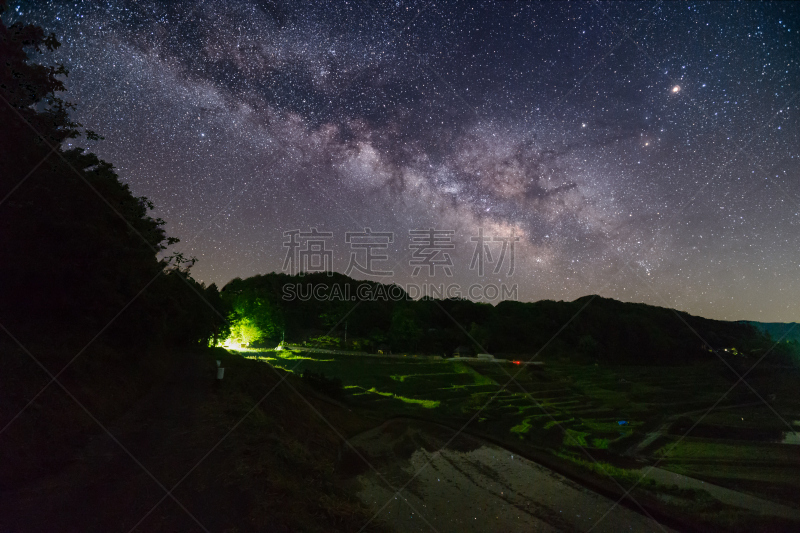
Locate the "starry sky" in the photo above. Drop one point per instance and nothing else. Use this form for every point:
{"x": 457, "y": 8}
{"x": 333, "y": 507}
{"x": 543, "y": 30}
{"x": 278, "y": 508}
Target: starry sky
{"x": 647, "y": 152}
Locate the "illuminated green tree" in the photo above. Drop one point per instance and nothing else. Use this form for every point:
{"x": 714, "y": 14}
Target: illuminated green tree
{"x": 244, "y": 331}
{"x": 255, "y": 316}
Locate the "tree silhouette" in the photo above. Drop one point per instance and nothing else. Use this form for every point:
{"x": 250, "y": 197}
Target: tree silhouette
{"x": 78, "y": 248}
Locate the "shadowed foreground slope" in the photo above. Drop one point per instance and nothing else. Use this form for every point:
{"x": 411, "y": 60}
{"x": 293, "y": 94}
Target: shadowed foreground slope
{"x": 274, "y": 472}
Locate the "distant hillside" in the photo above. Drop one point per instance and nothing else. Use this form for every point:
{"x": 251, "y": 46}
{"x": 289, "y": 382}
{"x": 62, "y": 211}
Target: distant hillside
{"x": 786, "y": 331}
{"x": 591, "y": 327}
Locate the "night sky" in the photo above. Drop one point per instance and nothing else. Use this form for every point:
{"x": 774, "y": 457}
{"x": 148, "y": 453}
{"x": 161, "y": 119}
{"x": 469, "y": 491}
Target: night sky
{"x": 648, "y": 152}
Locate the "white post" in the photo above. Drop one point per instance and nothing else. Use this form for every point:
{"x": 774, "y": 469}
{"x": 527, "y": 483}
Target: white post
{"x": 220, "y": 372}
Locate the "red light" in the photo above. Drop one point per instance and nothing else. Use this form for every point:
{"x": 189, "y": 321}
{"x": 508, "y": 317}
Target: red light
{"x": 515, "y": 362}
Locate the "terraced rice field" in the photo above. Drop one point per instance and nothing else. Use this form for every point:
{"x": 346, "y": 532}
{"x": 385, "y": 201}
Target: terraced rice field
{"x": 577, "y": 411}
{"x": 605, "y": 406}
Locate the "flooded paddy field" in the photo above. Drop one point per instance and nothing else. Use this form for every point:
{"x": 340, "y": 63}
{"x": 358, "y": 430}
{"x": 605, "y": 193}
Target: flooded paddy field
{"x": 473, "y": 485}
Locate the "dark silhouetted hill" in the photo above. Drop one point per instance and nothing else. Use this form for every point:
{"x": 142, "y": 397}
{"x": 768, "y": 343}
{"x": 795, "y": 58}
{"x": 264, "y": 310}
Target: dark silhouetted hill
{"x": 300, "y": 309}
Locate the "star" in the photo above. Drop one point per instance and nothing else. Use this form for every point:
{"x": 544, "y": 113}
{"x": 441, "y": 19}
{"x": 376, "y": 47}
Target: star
{"x": 260, "y": 120}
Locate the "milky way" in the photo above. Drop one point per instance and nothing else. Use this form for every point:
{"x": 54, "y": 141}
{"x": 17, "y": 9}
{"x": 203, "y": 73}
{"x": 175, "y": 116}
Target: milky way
{"x": 643, "y": 151}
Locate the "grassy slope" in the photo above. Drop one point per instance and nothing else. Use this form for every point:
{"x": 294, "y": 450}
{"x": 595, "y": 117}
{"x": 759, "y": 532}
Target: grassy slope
{"x": 275, "y": 471}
